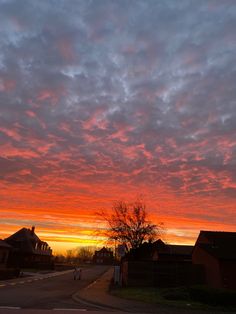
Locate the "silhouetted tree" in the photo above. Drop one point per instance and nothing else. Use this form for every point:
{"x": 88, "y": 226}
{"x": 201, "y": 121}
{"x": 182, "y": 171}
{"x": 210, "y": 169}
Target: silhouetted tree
{"x": 85, "y": 253}
{"x": 59, "y": 258}
{"x": 69, "y": 256}
{"x": 129, "y": 224}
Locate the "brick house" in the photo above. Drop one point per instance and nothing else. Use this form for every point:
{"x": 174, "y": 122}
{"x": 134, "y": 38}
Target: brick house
{"x": 4, "y": 252}
{"x": 160, "y": 251}
{"x": 173, "y": 253}
{"x": 216, "y": 251}
{"x": 28, "y": 250}
{"x": 161, "y": 265}
{"x": 103, "y": 256}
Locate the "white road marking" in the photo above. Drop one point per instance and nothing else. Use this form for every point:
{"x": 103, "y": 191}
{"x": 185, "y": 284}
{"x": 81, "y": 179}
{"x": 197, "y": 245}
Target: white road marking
{"x": 10, "y": 307}
{"x": 80, "y": 310}
{"x": 35, "y": 279}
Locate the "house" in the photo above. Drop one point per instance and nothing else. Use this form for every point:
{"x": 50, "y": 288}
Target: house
{"x": 216, "y": 251}
{"x": 103, "y": 256}
{"x": 145, "y": 252}
{"x": 161, "y": 265}
{"x": 4, "y": 252}
{"x": 28, "y": 250}
{"x": 175, "y": 253}
{"x": 160, "y": 251}
{"x": 5, "y": 272}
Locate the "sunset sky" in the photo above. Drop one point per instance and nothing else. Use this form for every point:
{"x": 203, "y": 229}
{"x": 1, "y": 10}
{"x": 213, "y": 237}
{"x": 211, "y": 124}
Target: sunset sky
{"x": 107, "y": 100}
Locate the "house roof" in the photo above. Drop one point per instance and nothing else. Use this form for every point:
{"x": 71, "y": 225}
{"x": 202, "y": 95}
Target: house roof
{"x": 147, "y": 250}
{"x": 221, "y": 245}
{"x": 159, "y": 244}
{"x": 25, "y": 240}
{"x": 4, "y": 244}
{"x": 219, "y": 235}
{"x": 104, "y": 250}
{"x": 144, "y": 251}
{"x": 179, "y": 249}
{"x": 222, "y": 253}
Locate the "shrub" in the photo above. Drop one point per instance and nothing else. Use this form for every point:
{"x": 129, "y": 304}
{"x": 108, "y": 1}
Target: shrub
{"x": 180, "y": 293}
{"x": 9, "y": 273}
{"x": 216, "y": 297}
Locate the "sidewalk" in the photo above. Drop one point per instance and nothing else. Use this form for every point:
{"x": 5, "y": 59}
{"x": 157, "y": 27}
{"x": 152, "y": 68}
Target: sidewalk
{"x": 97, "y": 294}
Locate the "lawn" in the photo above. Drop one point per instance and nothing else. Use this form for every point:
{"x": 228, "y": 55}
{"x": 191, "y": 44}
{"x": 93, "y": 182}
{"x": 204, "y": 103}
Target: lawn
{"x": 197, "y": 297}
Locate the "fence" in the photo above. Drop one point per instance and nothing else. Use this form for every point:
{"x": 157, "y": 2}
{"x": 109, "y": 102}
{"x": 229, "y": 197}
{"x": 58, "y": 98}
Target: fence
{"x": 161, "y": 274}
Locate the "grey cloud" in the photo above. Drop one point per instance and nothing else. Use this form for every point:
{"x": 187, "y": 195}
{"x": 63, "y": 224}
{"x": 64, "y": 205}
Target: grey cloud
{"x": 161, "y": 73}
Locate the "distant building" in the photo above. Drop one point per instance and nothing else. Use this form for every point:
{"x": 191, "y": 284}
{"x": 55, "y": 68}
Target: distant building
{"x": 174, "y": 253}
{"x": 160, "y": 251}
{"x": 4, "y": 252}
{"x": 160, "y": 264}
{"x": 103, "y": 256}
{"x": 28, "y": 250}
{"x": 216, "y": 251}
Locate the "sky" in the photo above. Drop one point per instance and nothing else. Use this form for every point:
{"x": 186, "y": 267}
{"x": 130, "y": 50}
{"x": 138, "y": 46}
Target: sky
{"x": 113, "y": 100}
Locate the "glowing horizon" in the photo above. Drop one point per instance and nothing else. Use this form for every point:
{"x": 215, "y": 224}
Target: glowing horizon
{"x": 109, "y": 100}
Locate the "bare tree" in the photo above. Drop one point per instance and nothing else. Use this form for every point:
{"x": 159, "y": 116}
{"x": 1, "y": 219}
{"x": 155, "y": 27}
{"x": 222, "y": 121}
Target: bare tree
{"x": 85, "y": 254}
{"x": 129, "y": 224}
{"x": 69, "y": 256}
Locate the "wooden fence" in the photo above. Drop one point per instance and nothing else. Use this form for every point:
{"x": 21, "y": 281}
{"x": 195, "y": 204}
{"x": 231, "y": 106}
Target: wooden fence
{"x": 161, "y": 274}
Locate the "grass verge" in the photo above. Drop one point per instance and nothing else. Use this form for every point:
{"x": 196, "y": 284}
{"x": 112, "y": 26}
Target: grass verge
{"x": 198, "y": 297}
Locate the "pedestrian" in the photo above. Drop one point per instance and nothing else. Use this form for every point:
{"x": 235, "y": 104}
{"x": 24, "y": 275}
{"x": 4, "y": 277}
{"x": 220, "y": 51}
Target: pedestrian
{"x": 75, "y": 273}
{"x": 80, "y": 273}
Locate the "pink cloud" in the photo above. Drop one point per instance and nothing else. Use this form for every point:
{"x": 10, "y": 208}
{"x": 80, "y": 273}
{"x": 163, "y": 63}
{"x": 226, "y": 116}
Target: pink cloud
{"x": 8, "y": 150}
{"x": 7, "y": 85}
{"x": 11, "y": 133}
{"x": 30, "y": 113}
{"x": 51, "y": 95}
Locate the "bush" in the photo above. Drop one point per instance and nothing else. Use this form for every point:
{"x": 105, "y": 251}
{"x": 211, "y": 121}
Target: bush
{"x": 216, "y": 297}
{"x": 180, "y": 293}
{"x": 9, "y": 273}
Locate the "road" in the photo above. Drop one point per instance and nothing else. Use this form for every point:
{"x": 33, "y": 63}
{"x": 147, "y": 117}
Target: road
{"x": 48, "y": 295}
{"x": 47, "y": 292}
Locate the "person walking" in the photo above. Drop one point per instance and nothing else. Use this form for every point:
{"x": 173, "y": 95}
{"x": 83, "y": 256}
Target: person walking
{"x": 80, "y": 273}
{"x": 77, "y": 273}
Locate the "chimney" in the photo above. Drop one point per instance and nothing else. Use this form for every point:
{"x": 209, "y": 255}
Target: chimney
{"x": 32, "y": 229}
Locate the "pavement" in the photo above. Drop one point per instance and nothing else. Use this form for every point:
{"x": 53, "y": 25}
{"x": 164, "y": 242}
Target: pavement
{"x": 97, "y": 293}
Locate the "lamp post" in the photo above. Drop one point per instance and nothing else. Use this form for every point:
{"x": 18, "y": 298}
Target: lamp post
{"x": 115, "y": 248}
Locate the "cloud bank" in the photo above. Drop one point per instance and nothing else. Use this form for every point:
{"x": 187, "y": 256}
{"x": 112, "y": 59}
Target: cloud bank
{"x": 107, "y": 99}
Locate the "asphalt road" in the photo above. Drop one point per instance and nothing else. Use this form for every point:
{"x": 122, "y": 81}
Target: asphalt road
{"x": 47, "y": 293}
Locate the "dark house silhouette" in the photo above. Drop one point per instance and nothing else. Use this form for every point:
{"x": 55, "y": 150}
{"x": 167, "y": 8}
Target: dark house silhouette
{"x": 28, "y": 250}
{"x": 103, "y": 256}
{"x": 160, "y": 251}
{"x": 4, "y": 252}
{"x": 216, "y": 251}
{"x": 160, "y": 264}
{"x": 174, "y": 253}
